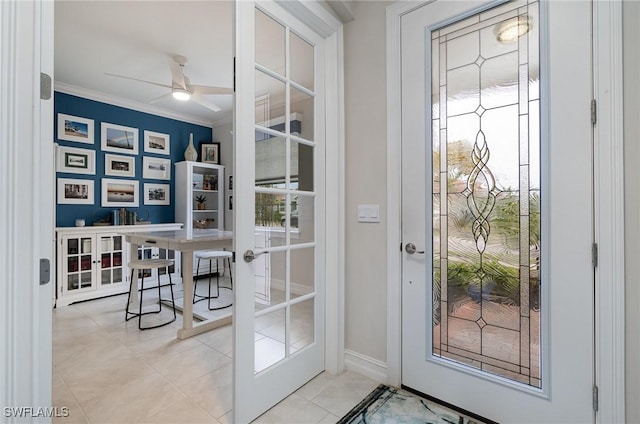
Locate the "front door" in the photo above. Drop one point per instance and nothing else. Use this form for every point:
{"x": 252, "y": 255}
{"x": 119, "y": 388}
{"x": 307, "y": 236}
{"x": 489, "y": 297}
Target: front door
{"x": 497, "y": 208}
{"x": 279, "y": 180}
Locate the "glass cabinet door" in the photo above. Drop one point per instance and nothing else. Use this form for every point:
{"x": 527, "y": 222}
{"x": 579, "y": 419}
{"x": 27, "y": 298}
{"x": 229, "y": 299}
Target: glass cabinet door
{"x": 111, "y": 255}
{"x": 79, "y": 264}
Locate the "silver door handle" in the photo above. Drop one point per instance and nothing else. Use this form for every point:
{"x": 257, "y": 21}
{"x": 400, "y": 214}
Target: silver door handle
{"x": 250, "y": 255}
{"x": 410, "y": 248}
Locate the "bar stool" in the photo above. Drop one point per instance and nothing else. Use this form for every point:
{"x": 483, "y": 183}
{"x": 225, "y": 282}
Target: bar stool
{"x": 150, "y": 264}
{"x": 213, "y": 255}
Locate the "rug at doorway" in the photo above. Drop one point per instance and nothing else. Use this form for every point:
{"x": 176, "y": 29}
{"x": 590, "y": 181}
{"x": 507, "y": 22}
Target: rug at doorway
{"x": 389, "y": 405}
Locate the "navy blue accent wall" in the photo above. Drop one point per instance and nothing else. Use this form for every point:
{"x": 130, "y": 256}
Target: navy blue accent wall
{"x": 102, "y": 112}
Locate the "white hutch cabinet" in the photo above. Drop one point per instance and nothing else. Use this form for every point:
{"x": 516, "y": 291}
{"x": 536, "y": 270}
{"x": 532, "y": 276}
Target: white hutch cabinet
{"x": 199, "y": 180}
{"x": 92, "y": 261}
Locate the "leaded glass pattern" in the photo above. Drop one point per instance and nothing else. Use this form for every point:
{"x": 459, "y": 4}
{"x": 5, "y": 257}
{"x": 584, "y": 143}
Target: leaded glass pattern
{"x": 486, "y": 193}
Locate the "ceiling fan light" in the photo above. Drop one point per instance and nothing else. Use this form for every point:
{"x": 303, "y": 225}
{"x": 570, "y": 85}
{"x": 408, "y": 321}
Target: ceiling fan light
{"x": 512, "y": 29}
{"x": 180, "y": 94}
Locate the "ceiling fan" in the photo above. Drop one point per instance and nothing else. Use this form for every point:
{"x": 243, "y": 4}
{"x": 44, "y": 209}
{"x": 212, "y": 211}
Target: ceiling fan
{"x": 181, "y": 88}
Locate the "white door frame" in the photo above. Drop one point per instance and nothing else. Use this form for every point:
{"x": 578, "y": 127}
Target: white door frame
{"x": 27, "y": 222}
{"x": 609, "y": 204}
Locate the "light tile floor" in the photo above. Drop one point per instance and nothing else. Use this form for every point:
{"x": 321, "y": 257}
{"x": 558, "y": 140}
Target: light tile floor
{"x": 108, "y": 371}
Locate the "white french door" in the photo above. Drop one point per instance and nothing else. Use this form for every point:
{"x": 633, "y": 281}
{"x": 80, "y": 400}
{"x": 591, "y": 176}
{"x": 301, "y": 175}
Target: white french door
{"x": 279, "y": 150}
{"x": 497, "y": 222}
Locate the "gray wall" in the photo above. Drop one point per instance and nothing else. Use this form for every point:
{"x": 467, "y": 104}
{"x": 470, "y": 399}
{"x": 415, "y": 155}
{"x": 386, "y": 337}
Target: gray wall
{"x": 366, "y": 178}
{"x": 631, "y": 17}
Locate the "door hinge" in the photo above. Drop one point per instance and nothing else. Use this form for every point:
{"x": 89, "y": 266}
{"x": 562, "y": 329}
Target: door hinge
{"x": 234, "y": 74}
{"x": 594, "y": 254}
{"x": 45, "y": 86}
{"x": 595, "y": 398}
{"x": 594, "y": 112}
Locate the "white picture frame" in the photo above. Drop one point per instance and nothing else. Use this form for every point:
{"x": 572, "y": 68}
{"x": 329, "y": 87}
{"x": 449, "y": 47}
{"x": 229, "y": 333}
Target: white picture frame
{"x": 74, "y": 160}
{"x": 157, "y": 194}
{"x": 72, "y": 191}
{"x": 120, "y": 193}
{"x": 119, "y": 139}
{"x": 119, "y": 166}
{"x": 75, "y": 128}
{"x": 158, "y": 143}
{"x": 156, "y": 168}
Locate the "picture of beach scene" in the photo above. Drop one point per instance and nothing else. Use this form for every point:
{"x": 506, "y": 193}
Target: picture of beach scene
{"x": 117, "y": 192}
{"x": 116, "y": 138}
{"x": 122, "y": 192}
{"x": 156, "y": 142}
{"x": 119, "y": 138}
{"x": 76, "y": 129}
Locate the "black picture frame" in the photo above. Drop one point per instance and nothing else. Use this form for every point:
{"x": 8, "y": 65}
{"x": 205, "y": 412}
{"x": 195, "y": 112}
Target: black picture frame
{"x": 210, "y": 152}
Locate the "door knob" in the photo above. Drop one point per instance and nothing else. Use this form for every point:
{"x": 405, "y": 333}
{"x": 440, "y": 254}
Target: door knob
{"x": 410, "y": 248}
{"x": 250, "y": 255}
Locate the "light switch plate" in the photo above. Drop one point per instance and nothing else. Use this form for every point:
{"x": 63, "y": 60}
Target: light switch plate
{"x": 368, "y": 213}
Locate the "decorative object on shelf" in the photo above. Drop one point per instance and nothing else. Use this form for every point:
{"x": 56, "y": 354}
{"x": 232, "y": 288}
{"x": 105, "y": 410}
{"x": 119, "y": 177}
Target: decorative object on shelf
{"x": 79, "y": 222}
{"x": 201, "y": 202}
{"x": 191, "y": 153}
{"x": 209, "y": 182}
{"x": 202, "y": 224}
{"x": 210, "y": 153}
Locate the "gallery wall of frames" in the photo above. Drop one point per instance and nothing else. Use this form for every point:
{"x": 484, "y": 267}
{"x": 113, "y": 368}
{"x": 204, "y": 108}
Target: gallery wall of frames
{"x": 115, "y": 165}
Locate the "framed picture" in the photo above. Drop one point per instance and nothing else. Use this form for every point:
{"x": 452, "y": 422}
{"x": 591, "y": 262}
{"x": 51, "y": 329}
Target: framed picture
{"x": 119, "y": 166}
{"x": 119, "y": 193}
{"x": 156, "y": 194}
{"x": 75, "y": 192}
{"x": 74, "y": 128}
{"x": 155, "y": 142}
{"x": 230, "y": 203}
{"x": 76, "y": 161}
{"x": 119, "y": 139}
{"x": 156, "y": 168}
{"x": 210, "y": 153}
{"x": 230, "y": 186}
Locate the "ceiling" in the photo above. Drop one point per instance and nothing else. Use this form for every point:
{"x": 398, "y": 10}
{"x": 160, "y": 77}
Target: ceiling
{"x": 138, "y": 39}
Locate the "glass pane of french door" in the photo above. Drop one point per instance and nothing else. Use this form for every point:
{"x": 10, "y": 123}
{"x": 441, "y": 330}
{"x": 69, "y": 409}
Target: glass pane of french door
{"x": 284, "y": 192}
{"x": 486, "y": 192}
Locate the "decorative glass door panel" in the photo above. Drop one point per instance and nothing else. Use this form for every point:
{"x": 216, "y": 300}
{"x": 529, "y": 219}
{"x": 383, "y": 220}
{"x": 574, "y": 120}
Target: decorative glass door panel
{"x": 79, "y": 264}
{"x": 486, "y": 192}
{"x": 284, "y": 189}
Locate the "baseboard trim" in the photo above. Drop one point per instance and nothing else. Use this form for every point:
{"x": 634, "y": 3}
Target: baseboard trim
{"x": 369, "y": 367}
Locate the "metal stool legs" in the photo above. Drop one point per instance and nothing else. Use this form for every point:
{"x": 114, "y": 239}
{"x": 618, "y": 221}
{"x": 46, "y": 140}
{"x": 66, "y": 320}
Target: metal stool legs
{"x": 139, "y": 314}
{"x": 209, "y": 297}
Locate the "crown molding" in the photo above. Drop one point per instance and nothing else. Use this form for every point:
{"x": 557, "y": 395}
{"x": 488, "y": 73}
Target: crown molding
{"x": 127, "y": 103}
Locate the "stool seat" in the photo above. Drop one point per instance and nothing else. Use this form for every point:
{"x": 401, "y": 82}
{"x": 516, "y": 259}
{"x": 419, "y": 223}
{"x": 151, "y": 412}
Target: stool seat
{"x": 150, "y": 263}
{"x": 144, "y": 264}
{"x": 213, "y": 254}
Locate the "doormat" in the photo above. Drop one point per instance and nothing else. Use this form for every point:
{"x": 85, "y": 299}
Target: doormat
{"x": 389, "y": 405}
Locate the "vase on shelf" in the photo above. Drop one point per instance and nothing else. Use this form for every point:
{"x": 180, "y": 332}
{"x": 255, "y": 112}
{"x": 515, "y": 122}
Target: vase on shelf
{"x": 191, "y": 154}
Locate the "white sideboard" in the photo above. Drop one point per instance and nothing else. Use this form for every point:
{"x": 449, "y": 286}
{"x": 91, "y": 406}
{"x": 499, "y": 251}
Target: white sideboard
{"x": 92, "y": 261}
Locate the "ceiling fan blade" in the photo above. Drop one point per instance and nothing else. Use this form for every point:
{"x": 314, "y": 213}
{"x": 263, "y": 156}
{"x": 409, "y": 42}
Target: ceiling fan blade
{"x": 204, "y": 102}
{"x": 205, "y": 89}
{"x": 157, "y": 99}
{"x": 177, "y": 76}
{"x": 139, "y": 80}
